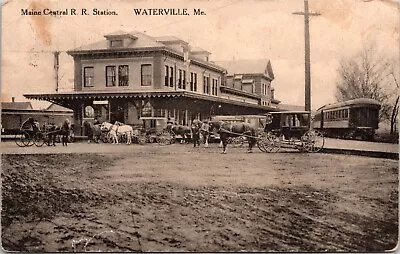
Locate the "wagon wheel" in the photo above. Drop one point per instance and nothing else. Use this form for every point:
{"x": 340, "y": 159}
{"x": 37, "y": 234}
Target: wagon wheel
{"x": 313, "y": 141}
{"x": 165, "y": 138}
{"x": 39, "y": 139}
{"x": 273, "y": 143}
{"x": 142, "y": 139}
{"x": 104, "y": 137}
{"x": 236, "y": 141}
{"x": 27, "y": 139}
{"x": 19, "y": 139}
{"x": 268, "y": 143}
{"x": 261, "y": 142}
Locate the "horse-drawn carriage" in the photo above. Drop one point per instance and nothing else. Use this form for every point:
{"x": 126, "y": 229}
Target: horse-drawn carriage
{"x": 290, "y": 129}
{"x": 31, "y": 134}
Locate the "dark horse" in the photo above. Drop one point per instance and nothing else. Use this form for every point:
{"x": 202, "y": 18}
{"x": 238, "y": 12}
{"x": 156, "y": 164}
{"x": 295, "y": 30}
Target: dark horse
{"x": 63, "y": 131}
{"x": 93, "y": 131}
{"x": 228, "y": 129}
{"x": 182, "y": 130}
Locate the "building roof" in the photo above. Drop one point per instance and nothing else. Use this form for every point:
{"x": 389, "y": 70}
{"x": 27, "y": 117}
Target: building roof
{"x": 142, "y": 41}
{"x": 169, "y": 39}
{"x": 55, "y": 107}
{"x": 248, "y": 66}
{"x": 198, "y": 50}
{"x": 289, "y": 107}
{"x": 16, "y": 105}
{"x": 72, "y": 97}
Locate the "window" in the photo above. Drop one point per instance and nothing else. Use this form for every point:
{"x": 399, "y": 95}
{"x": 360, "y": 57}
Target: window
{"x": 147, "y": 71}
{"x": 146, "y": 110}
{"x": 206, "y": 88}
{"x": 171, "y": 76}
{"x": 123, "y": 75}
{"x": 166, "y": 77}
{"x": 88, "y": 74}
{"x": 116, "y": 43}
{"x": 204, "y": 84}
{"x": 180, "y": 79}
{"x": 194, "y": 81}
{"x": 111, "y": 76}
{"x": 89, "y": 112}
{"x": 184, "y": 79}
{"x": 214, "y": 89}
{"x": 191, "y": 81}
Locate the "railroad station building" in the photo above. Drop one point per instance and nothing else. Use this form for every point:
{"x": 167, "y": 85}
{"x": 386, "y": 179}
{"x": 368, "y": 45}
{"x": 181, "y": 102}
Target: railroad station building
{"x": 142, "y": 80}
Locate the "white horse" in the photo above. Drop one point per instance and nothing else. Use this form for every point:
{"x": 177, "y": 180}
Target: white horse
{"x": 123, "y": 130}
{"x": 112, "y": 134}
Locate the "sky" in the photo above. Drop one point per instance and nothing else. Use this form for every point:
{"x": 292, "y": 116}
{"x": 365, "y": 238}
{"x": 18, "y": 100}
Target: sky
{"x": 231, "y": 29}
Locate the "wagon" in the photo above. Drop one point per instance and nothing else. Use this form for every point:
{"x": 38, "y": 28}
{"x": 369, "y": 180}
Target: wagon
{"x": 290, "y": 129}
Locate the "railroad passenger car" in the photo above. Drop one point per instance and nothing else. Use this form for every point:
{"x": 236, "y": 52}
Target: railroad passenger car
{"x": 352, "y": 119}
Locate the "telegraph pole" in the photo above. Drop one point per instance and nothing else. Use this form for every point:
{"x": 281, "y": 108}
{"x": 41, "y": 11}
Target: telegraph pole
{"x": 56, "y": 67}
{"x": 307, "y": 89}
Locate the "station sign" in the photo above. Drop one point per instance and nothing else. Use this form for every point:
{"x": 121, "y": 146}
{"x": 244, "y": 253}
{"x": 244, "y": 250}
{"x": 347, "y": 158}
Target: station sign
{"x": 100, "y": 102}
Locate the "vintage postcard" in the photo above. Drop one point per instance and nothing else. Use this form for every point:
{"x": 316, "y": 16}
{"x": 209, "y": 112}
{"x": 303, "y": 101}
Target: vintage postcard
{"x": 200, "y": 126}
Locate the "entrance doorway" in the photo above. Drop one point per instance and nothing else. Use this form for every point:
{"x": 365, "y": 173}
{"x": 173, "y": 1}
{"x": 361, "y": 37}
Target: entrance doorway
{"x": 118, "y": 112}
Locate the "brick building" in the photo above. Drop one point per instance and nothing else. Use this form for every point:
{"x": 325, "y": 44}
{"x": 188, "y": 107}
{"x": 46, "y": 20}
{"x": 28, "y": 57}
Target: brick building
{"x": 142, "y": 80}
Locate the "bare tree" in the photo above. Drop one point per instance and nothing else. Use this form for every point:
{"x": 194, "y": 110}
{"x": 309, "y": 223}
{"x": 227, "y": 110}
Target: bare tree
{"x": 369, "y": 75}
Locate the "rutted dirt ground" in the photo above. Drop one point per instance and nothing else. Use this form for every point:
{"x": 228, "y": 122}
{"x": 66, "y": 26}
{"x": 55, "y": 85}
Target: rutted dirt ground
{"x": 177, "y": 198}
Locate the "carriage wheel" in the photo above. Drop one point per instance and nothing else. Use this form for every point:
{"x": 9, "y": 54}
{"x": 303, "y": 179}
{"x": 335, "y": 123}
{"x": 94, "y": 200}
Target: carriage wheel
{"x": 165, "y": 138}
{"x": 261, "y": 141}
{"x": 18, "y": 138}
{"x": 273, "y": 144}
{"x": 104, "y": 137}
{"x": 39, "y": 139}
{"x": 313, "y": 141}
{"x": 142, "y": 139}
{"x": 26, "y": 139}
{"x": 236, "y": 141}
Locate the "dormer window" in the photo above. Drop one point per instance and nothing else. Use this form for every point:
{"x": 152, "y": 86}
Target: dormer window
{"x": 116, "y": 43}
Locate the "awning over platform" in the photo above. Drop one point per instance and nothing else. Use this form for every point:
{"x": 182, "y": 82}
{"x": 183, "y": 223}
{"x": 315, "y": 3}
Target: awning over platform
{"x": 59, "y": 98}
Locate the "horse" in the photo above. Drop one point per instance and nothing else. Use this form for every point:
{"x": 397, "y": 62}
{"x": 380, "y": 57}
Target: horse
{"x": 123, "y": 130}
{"x": 63, "y": 130}
{"x": 227, "y": 129}
{"x": 183, "y": 131}
{"x": 93, "y": 131}
{"x": 112, "y": 134}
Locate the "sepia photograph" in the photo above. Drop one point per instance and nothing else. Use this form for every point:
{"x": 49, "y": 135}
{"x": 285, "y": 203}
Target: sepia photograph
{"x": 200, "y": 126}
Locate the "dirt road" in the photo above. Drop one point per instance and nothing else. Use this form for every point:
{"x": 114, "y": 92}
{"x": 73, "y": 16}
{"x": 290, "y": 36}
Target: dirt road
{"x": 177, "y": 198}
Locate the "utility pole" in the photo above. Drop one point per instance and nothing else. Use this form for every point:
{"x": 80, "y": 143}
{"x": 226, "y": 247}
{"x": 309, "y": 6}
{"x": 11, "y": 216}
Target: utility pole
{"x": 56, "y": 66}
{"x": 307, "y": 89}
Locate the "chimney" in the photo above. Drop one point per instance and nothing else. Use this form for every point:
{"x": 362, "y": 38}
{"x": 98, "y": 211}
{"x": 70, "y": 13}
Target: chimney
{"x": 13, "y": 99}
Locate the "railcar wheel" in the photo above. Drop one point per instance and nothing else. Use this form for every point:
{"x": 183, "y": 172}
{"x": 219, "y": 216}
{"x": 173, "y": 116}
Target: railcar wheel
{"x": 313, "y": 141}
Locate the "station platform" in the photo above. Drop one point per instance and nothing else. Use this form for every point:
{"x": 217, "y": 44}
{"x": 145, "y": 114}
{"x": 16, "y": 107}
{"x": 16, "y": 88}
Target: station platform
{"x": 362, "y": 148}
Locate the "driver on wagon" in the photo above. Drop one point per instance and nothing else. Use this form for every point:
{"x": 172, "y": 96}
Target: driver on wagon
{"x": 30, "y": 125}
